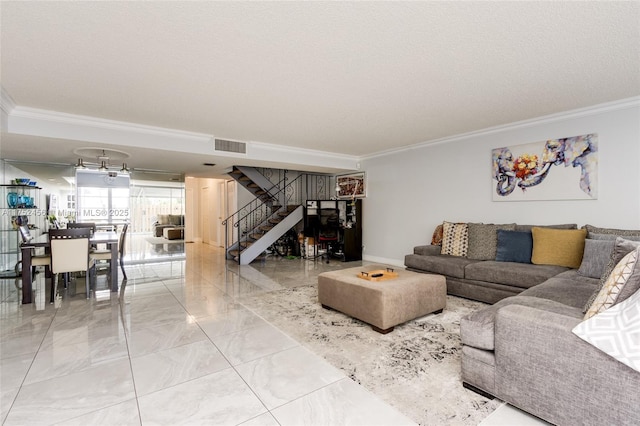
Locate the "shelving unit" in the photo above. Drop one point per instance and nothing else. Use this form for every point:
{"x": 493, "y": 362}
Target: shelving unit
{"x": 349, "y": 225}
{"x": 28, "y": 204}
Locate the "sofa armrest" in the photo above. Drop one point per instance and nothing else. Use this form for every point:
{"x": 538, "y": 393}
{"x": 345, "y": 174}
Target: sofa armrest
{"x": 427, "y": 250}
{"x": 545, "y": 369}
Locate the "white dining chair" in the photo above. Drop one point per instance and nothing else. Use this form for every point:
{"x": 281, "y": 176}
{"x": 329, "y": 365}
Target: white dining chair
{"x": 70, "y": 253}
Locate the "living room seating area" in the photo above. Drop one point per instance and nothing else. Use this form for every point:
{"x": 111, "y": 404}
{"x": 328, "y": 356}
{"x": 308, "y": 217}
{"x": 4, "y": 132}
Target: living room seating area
{"x": 559, "y": 340}
{"x": 169, "y": 222}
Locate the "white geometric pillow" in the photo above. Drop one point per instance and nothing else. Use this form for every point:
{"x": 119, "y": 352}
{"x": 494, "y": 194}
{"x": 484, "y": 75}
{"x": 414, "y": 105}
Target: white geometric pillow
{"x": 616, "y": 331}
{"x": 615, "y": 283}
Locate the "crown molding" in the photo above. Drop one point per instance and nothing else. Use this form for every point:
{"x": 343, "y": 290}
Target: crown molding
{"x": 45, "y": 123}
{"x": 277, "y": 152}
{"x": 7, "y": 104}
{"x": 62, "y": 118}
{"x": 621, "y": 104}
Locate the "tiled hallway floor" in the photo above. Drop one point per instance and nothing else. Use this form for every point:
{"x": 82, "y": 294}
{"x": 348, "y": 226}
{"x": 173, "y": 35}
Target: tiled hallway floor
{"x": 173, "y": 347}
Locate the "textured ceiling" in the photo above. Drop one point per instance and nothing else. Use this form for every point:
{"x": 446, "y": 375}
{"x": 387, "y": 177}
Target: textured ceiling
{"x": 346, "y": 77}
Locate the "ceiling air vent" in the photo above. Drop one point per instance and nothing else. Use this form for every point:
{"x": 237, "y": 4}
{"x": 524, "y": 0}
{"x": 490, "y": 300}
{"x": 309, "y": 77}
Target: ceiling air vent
{"x": 230, "y": 146}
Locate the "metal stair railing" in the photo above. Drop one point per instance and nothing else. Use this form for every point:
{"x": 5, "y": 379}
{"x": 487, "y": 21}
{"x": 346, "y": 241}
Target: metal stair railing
{"x": 253, "y": 205}
{"x": 289, "y": 195}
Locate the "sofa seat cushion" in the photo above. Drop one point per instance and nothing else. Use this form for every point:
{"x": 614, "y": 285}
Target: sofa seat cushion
{"x": 569, "y": 290}
{"x": 477, "y": 329}
{"x": 452, "y": 266}
{"x": 431, "y": 250}
{"x": 521, "y": 275}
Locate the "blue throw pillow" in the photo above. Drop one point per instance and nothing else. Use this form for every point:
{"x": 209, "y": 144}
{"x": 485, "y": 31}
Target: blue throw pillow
{"x": 514, "y": 246}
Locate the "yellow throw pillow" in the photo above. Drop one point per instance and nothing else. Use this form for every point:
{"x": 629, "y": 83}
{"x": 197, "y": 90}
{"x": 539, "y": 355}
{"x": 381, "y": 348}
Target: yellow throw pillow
{"x": 561, "y": 247}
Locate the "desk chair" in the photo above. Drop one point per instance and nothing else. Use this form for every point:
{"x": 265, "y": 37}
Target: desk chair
{"x": 329, "y": 230}
{"x": 106, "y": 254}
{"x": 70, "y": 253}
{"x": 36, "y": 260}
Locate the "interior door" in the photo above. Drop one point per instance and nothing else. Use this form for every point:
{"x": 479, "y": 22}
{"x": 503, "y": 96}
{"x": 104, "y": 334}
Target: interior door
{"x": 205, "y": 214}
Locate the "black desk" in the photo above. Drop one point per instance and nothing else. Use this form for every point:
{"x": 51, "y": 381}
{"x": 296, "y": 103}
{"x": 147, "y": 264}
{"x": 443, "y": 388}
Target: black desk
{"x": 109, "y": 238}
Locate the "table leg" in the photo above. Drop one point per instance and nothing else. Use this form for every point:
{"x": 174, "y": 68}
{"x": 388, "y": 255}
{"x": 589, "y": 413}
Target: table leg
{"x": 26, "y": 275}
{"x": 114, "y": 266}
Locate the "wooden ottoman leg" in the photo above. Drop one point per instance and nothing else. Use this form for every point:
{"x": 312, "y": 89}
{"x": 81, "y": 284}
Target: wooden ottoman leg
{"x": 381, "y": 331}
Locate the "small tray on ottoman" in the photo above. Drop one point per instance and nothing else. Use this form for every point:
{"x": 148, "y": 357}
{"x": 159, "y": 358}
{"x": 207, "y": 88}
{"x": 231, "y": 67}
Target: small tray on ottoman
{"x": 382, "y": 304}
{"x": 378, "y": 275}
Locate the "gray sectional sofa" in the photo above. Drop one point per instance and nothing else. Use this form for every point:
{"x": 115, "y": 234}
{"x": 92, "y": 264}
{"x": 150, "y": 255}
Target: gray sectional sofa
{"x": 522, "y": 349}
{"x": 480, "y": 278}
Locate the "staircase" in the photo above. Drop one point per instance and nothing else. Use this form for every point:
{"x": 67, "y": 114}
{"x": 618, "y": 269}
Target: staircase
{"x": 275, "y": 209}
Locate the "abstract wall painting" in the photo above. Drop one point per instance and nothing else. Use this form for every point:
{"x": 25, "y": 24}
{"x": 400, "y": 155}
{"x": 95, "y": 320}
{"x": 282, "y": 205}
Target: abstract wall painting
{"x": 556, "y": 169}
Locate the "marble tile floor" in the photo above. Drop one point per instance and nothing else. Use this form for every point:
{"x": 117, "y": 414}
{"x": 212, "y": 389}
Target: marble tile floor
{"x": 175, "y": 347}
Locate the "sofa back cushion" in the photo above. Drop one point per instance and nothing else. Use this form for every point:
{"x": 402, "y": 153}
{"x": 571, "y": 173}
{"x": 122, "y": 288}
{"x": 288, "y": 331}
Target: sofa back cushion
{"x": 596, "y": 257}
{"x": 612, "y": 231}
{"x": 561, "y": 226}
{"x": 611, "y": 237}
{"x": 176, "y": 219}
{"x": 163, "y": 219}
{"x": 455, "y": 239}
{"x": 514, "y": 246}
{"x": 562, "y": 247}
{"x": 483, "y": 240}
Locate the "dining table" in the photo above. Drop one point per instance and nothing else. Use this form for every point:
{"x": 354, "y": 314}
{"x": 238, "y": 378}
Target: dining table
{"x": 110, "y": 238}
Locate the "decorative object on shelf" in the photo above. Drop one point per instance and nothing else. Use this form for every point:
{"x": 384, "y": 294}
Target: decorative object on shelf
{"x": 32, "y": 183}
{"x": 18, "y": 221}
{"x": 12, "y": 200}
{"x": 351, "y": 186}
{"x": 529, "y": 166}
{"x": 19, "y": 196}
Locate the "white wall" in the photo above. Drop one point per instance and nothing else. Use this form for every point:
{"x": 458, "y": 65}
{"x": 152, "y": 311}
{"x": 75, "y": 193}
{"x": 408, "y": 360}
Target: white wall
{"x": 411, "y": 191}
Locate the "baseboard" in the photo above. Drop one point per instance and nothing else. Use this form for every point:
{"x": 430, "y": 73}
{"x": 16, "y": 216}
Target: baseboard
{"x": 376, "y": 259}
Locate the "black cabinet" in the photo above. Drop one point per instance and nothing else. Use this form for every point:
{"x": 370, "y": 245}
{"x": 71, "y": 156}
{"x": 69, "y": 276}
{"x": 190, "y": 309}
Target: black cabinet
{"x": 337, "y": 224}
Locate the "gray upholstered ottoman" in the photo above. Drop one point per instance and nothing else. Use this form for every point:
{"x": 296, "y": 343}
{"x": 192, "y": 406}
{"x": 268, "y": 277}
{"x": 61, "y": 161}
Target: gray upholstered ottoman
{"x": 383, "y": 304}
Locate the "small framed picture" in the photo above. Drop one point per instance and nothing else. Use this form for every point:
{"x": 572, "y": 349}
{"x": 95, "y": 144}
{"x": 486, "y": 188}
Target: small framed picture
{"x": 351, "y": 186}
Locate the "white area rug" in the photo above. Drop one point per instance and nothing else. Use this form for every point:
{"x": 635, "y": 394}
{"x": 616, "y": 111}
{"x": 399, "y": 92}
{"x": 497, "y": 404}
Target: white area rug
{"x": 415, "y": 368}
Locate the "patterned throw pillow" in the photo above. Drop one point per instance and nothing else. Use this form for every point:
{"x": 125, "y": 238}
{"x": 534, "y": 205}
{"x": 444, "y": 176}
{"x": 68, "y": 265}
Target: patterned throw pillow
{"x": 483, "y": 239}
{"x": 621, "y": 248}
{"x": 616, "y": 331}
{"x": 455, "y": 239}
{"x": 621, "y": 275}
{"x": 436, "y": 239}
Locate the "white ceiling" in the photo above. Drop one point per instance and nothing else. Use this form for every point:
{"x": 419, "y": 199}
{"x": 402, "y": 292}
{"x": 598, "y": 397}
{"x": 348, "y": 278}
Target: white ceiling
{"x": 351, "y": 78}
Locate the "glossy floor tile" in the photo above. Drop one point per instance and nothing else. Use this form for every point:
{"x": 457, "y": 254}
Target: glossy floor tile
{"x": 174, "y": 346}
